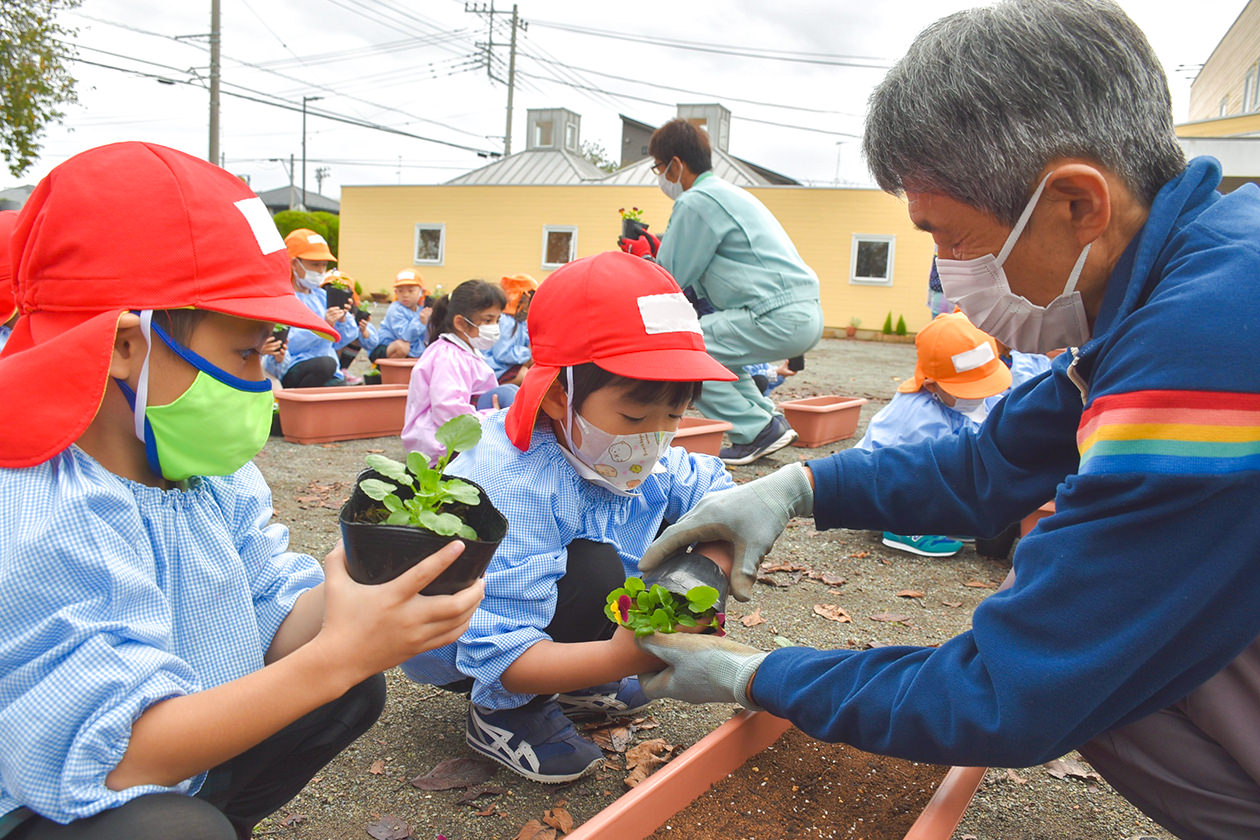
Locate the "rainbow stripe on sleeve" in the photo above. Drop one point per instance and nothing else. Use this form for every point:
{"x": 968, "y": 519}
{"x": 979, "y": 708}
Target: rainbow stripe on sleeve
{"x": 1185, "y": 432}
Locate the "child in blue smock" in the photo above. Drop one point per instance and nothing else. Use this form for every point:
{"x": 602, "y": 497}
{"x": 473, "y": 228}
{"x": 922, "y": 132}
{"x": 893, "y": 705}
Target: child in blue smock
{"x": 404, "y": 329}
{"x": 958, "y": 378}
{"x": 582, "y": 468}
{"x": 168, "y": 667}
{"x": 510, "y": 356}
{"x": 311, "y": 358}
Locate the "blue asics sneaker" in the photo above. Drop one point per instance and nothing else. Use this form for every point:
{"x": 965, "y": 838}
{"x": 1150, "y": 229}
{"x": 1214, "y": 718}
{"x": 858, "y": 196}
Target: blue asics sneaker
{"x": 927, "y": 545}
{"x": 535, "y": 740}
{"x": 617, "y": 699}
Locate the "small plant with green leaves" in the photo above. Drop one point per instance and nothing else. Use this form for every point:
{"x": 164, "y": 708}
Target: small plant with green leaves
{"x": 888, "y": 325}
{"x": 901, "y": 325}
{"x": 434, "y": 503}
{"x": 657, "y": 610}
{"x": 634, "y": 214}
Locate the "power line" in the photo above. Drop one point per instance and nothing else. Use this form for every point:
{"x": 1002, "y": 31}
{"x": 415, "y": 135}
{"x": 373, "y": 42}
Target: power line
{"x": 827, "y": 59}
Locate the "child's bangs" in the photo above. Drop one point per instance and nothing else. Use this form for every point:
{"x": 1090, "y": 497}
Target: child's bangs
{"x": 590, "y": 377}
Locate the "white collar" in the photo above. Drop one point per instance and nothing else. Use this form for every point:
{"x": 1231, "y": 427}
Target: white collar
{"x": 458, "y": 341}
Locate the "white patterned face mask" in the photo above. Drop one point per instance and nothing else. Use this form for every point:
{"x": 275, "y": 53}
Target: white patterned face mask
{"x": 620, "y": 461}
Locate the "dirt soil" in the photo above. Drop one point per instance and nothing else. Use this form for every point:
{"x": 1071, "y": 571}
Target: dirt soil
{"x": 802, "y": 789}
{"x": 424, "y": 726}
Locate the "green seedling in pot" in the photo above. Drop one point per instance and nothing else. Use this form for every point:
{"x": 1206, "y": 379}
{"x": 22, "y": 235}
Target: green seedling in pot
{"x": 657, "y": 610}
{"x": 430, "y": 493}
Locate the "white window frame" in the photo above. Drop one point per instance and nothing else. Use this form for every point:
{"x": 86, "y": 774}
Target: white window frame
{"x": 1249, "y": 90}
{"x": 549, "y": 229}
{"x": 1224, "y": 107}
{"x": 858, "y": 239}
{"x": 440, "y": 227}
{"x": 1254, "y": 75}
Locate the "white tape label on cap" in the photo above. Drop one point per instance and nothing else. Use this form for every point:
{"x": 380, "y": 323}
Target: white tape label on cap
{"x": 977, "y": 356}
{"x": 668, "y": 313}
{"x": 316, "y": 239}
{"x": 265, "y": 233}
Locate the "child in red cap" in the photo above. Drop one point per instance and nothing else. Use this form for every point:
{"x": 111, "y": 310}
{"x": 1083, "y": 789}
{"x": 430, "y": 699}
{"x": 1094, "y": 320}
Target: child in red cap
{"x": 582, "y": 468}
{"x": 167, "y": 665}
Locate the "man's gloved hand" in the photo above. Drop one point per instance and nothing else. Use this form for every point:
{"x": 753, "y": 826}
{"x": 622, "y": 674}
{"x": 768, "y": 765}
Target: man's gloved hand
{"x": 645, "y": 246}
{"x": 701, "y": 668}
{"x": 750, "y": 517}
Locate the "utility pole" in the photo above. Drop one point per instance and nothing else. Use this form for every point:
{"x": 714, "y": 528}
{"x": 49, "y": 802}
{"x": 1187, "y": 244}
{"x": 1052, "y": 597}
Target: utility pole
{"x": 305, "y": 99}
{"x": 517, "y": 24}
{"x": 213, "y": 157}
{"x": 321, "y": 172}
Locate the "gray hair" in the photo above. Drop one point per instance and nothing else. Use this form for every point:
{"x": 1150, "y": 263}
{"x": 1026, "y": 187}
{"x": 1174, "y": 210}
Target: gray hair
{"x": 985, "y": 98}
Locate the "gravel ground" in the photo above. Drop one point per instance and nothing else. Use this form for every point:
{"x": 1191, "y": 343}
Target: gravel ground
{"x": 423, "y": 726}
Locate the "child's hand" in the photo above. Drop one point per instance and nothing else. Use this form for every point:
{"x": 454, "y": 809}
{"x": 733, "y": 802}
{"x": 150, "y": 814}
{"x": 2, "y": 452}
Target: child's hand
{"x": 630, "y": 658}
{"x": 368, "y": 629}
{"x": 784, "y": 370}
{"x": 275, "y": 347}
{"x": 722, "y": 553}
{"x": 334, "y": 315}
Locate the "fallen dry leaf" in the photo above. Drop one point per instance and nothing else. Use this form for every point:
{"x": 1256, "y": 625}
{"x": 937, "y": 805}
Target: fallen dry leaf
{"x": 890, "y": 617}
{"x": 1061, "y": 768}
{"x": 952, "y": 603}
{"x": 534, "y": 830}
{"x": 293, "y": 819}
{"x": 612, "y": 738}
{"x": 377, "y": 768}
{"x": 770, "y": 581}
{"x": 860, "y": 555}
{"x": 753, "y": 619}
{"x": 389, "y": 827}
{"x": 330, "y": 446}
{"x": 456, "y": 773}
{"x": 832, "y": 612}
{"x": 909, "y": 593}
{"x": 980, "y": 584}
{"x": 488, "y": 811}
{"x": 785, "y": 566}
{"x": 376, "y": 451}
{"x": 474, "y": 793}
{"x": 559, "y": 818}
{"x": 1015, "y": 777}
{"x": 643, "y": 758}
{"x": 828, "y": 579}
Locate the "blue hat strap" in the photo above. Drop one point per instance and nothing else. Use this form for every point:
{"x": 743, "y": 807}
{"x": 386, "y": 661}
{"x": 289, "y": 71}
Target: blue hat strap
{"x": 209, "y": 368}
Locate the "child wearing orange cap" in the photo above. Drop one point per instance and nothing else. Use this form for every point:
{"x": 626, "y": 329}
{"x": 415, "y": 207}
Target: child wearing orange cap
{"x": 510, "y": 355}
{"x": 167, "y": 665}
{"x": 404, "y": 328}
{"x": 582, "y": 468}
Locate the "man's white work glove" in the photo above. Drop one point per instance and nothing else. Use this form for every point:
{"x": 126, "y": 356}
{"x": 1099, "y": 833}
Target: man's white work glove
{"x": 751, "y": 516}
{"x": 702, "y": 668}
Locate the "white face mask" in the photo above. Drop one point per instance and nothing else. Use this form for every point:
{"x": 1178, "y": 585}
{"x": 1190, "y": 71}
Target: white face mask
{"x": 672, "y": 189}
{"x": 487, "y": 336}
{"x": 620, "y": 461}
{"x": 981, "y": 290}
{"x": 310, "y": 280}
{"x": 974, "y": 410}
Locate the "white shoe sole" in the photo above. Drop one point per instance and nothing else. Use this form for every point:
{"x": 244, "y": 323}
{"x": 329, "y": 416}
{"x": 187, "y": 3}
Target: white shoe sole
{"x": 918, "y": 551}
{"x": 523, "y": 752}
{"x": 783, "y": 440}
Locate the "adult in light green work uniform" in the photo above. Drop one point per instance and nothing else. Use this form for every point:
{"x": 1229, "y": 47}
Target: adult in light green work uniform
{"x": 726, "y": 248}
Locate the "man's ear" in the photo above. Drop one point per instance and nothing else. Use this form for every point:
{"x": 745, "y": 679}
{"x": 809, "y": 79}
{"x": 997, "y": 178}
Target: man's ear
{"x": 555, "y": 402}
{"x": 129, "y": 347}
{"x": 1086, "y": 198}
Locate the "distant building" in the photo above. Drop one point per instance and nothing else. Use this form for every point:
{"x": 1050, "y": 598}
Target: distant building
{"x": 15, "y": 197}
{"x": 285, "y": 198}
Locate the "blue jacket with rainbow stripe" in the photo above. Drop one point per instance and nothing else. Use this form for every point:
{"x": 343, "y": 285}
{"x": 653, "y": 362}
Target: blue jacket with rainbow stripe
{"x": 1146, "y": 580}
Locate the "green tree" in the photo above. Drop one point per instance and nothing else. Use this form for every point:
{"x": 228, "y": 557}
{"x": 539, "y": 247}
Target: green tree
{"x": 35, "y": 79}
{"x": 901, "y": 325}
{"x": 888, "y": 325}
{"x": 288, "y": 221}
{"x": 332, "y": 226}
{"x": 598, "y": 155}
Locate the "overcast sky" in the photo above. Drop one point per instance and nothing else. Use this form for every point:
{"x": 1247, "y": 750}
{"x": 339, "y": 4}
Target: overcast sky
{"x": 417, "y": 66}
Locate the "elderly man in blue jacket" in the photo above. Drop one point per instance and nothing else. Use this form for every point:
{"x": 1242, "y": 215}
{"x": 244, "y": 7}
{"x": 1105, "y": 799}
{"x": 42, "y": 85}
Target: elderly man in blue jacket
{"x": 1034, "y": 140}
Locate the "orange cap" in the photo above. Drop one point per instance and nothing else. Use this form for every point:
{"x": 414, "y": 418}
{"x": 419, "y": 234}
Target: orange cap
{"x": 308, "y": 245}
{"x": 408, "y": 277}
{"x": 515, "y": 285}
{"x": 960, "y": 358}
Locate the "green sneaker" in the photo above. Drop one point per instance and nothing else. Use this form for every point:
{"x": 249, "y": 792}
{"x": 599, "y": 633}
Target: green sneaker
{"x": 926, "y": 545}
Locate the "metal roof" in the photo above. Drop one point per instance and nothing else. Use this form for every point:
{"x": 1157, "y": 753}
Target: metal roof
{"x": 535, "y": 166}
{"x": 726, "y": 166}
{"x": 278, "y": 199}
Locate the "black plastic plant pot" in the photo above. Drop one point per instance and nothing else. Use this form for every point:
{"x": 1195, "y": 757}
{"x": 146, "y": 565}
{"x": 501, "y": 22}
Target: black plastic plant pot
{"x": 631, "y": 229}
{"x": 377, "y": 553}
{"x": 372, "y": 378}
{"x": 687, "y": 570}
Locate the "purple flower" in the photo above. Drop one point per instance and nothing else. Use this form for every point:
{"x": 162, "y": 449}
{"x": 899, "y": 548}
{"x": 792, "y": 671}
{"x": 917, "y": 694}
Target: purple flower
{"x": 720, "y": 618}
{"x": 623, "y": 607}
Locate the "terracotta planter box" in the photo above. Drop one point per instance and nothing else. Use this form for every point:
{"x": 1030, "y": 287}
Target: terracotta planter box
{"x": 822, "y": 420}
{"x": 319, "y": 415}
{"x": 1029, "y": 521}
{"x": 647, "y": 807}
{"x": 396, "y": 371}
{"x": 701, "y": 435}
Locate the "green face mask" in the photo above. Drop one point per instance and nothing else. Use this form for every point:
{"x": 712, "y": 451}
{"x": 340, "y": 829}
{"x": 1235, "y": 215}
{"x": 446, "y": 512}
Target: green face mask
{"x": 213, "y": 428}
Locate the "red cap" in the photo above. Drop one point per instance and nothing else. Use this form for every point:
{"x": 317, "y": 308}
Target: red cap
{"x": 129, "y": 226}
{"x": 625, "y": 314}
{"x": 8, "y": 219}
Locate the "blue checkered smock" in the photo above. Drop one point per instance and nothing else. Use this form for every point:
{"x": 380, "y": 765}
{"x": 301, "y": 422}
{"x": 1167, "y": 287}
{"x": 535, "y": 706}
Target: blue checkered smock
{"x": 548, "y": 505}
{"x": 113, "y": 596}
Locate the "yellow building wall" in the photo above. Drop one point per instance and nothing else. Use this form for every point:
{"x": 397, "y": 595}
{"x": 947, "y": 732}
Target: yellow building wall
{"x": 1222, "y": 127}
{"x": 497, "y": 230}
{"x": 1224, "y": 72}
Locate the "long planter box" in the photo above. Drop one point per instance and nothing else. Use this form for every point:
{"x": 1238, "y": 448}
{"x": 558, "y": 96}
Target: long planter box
{"x": 701, "y": 435}
{"x": 319, "y": 415}
{"x": 648, "y": 806}
{"x": 822, "y": 420}
{"x": 396, "y": 371}
{"x": 1030, "y": 521}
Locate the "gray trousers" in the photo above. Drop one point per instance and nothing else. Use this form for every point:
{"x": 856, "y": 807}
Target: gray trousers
{"x": 1194, "y": 767}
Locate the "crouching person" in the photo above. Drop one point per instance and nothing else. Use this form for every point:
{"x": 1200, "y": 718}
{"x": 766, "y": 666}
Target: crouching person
{"x": 582, "y": 468}
{"x": 167, "y": 665}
